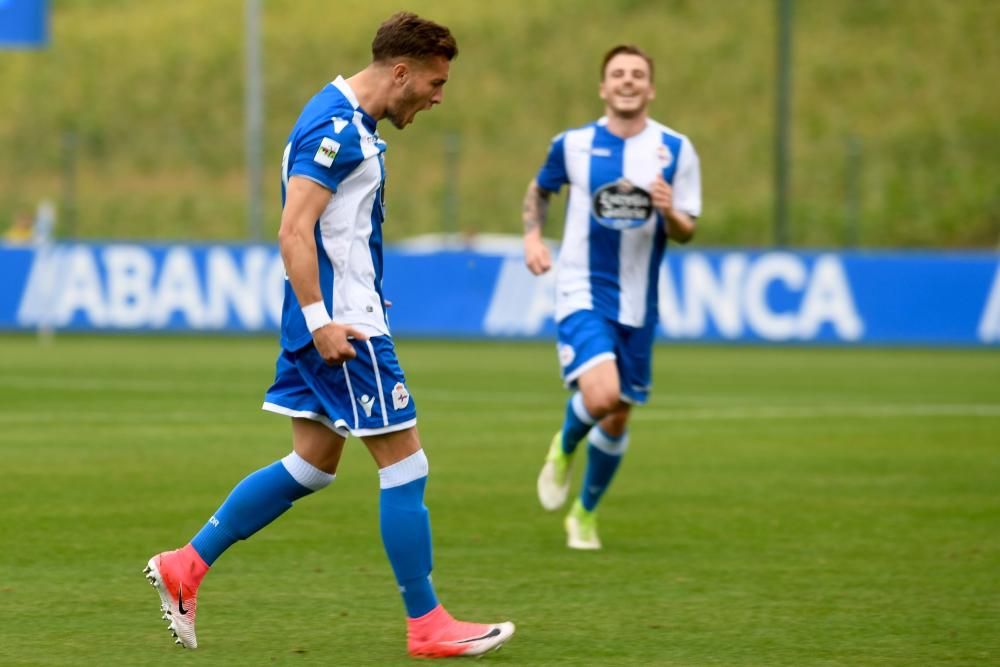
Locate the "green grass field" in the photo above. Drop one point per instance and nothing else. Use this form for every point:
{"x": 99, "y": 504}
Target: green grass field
{"x": 778, "y": 506}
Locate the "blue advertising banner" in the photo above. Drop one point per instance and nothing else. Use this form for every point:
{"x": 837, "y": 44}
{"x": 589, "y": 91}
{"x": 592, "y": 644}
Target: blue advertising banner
{"x": 716, "y": 295}
{"x": 24, "y": 24}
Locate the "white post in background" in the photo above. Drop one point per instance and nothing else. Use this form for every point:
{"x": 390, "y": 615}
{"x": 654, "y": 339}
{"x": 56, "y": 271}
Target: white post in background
{"x": 44, "y": 230}
{"x": 254, "y": 107}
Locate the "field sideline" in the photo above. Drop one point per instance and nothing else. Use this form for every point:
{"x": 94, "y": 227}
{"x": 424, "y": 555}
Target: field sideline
{"x": 778, "y": 506}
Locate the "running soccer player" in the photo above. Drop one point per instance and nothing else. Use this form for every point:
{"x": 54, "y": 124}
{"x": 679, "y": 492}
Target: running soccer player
{"x": 337, "y": 372}
{"x": 633, "y": 183}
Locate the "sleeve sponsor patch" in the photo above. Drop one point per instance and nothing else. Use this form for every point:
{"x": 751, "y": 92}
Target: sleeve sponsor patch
{"x": 327, "y": 152}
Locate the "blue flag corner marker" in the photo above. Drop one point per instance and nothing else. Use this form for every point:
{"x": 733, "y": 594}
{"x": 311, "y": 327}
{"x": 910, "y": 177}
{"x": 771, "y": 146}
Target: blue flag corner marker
{"x": 24, "y": 24}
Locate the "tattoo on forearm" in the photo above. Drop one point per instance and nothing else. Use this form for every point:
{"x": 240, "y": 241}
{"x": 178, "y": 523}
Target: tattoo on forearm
{"x": 535, "y": 209}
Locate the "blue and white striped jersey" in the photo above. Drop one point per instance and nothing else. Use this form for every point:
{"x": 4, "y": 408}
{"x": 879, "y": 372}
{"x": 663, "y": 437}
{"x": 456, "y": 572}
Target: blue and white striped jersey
{"x": 614, "y": 240}
{"x": 336, "y": 144}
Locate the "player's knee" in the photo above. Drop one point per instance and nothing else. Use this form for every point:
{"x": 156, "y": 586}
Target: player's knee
{"x": 601, "y": 401}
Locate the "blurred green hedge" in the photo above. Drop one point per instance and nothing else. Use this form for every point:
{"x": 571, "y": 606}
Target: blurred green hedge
{"x": 153, "y": 95}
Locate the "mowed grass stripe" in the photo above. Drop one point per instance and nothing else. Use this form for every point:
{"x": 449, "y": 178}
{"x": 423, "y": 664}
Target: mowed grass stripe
{"x": 536, "y": 414}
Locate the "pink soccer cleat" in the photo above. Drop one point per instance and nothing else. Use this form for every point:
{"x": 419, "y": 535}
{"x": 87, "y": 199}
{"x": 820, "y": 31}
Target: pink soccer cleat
{"x": 437, "y": 635}
{"x": 176, "y": 576}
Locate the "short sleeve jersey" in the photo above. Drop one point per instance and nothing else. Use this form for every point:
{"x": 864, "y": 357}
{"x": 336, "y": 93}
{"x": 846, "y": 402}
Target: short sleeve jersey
{"x": 614, "y": 239}
{"x": 336, "y": 144}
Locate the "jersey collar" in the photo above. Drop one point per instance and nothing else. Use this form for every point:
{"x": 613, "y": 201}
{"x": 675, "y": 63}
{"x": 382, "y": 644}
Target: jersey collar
{"x": 345, "y": 89}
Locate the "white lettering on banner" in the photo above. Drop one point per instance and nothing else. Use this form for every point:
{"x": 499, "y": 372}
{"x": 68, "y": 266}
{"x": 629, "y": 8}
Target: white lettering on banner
{"x": 703, "y": 296}
{"x": 79, "y": 288}
{"x": 117, "y": 286}
{"x": 767, "y": 270}
{"x": 37, "y": 300}
{"x": 274, "y": 292}
{"x": 739, "y": 298}
{"x": 228, "y": 287}
{"x": 828, "y": 299}
{"x": 989, "y": 323}
{"x": 521, "y": 302}
{"x": 734, "y": 297}
{"x": 178, "y": 290}
{"x": 130, "y": 273}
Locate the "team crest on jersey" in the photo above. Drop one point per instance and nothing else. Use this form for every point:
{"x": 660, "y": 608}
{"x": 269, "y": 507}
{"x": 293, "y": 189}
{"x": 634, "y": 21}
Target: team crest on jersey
{"x": 400, "y": 397}
{"x": 566, "y": 354}
{"x": 664, "y": 155}
{"x": 622, "y": 205}
{"x": 327, "y": 152}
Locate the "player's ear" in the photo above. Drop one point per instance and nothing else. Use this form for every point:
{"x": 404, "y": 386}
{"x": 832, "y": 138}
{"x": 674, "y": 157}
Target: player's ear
{"x": 652, "y": 91}
{"x": 400, "y": 72}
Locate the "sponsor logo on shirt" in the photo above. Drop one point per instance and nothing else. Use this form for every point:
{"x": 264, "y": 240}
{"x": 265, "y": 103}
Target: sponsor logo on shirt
{"x": 622, "y": 205}
{"x": 327, "y": 152}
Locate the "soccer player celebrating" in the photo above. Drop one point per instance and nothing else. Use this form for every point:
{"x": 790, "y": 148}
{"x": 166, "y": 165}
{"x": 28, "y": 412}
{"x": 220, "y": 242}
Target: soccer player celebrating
{"x": 633, "y": 183}
{"x": 337, "y": 372}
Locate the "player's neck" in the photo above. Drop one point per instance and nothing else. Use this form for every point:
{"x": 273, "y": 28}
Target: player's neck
{"x": 625, "y": 127}
{"x": 369, "y": 87}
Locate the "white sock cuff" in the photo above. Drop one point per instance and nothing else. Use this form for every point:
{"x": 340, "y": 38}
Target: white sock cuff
{"x": 604, "y": 442}
{"x": 580, "y": 410}
{"x": 306, "y": 473}
{"x": 403, "y": 472}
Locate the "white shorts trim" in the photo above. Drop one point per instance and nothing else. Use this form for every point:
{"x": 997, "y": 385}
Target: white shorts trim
{"x": 391, "y": 428}
{"x": 306, "y": 414}
{"x": 586, "y": 366}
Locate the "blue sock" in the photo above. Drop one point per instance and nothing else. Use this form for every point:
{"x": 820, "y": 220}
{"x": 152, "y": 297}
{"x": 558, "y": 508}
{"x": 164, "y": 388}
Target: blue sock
{"x": 577, "y": 424}
{"x": 406, "y": 531}
{"x": 604, "y": 453}
{"x": 256, "y": 501}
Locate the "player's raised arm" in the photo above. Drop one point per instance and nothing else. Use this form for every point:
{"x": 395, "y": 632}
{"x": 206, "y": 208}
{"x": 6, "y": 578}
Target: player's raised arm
{"x": 534, "y": 213}
{"x": 305, "y": 201}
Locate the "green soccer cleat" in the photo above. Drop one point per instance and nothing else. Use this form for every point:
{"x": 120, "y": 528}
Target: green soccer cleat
{"x": 553, "y": 480}
{"x": 581, "y": 528}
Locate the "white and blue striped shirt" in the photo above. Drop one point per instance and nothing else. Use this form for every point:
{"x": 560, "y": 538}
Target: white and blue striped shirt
{"x": 614, "y": 240}
{"x": 336, "y": 144}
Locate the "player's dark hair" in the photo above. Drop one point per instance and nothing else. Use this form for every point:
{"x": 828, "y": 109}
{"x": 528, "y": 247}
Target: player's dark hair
{"x": 630, "y": 49}
{"x": 406, "y": 35}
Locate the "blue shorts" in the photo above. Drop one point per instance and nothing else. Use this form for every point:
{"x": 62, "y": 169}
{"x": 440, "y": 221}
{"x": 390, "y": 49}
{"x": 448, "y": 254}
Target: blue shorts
{"x": 587, "y": 338}
{"x": 365, "y": 396}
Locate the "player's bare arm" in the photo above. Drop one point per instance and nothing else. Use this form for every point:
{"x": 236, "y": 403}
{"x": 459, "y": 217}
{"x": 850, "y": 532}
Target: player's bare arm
{"x": 534, "y": 213}
{"x": 305, "y": 201}
{"x": 680, "y": 225}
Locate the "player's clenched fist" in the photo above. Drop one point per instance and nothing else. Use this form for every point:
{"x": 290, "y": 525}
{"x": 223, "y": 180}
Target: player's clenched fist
{"x": 333, "y": 342}
{"x": 537, "y": 256}
{"x": 662, "y": 194}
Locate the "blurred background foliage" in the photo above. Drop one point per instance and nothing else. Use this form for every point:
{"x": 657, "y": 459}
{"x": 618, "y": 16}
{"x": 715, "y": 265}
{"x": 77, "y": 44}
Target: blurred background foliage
{"x": 895, "y": 141}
